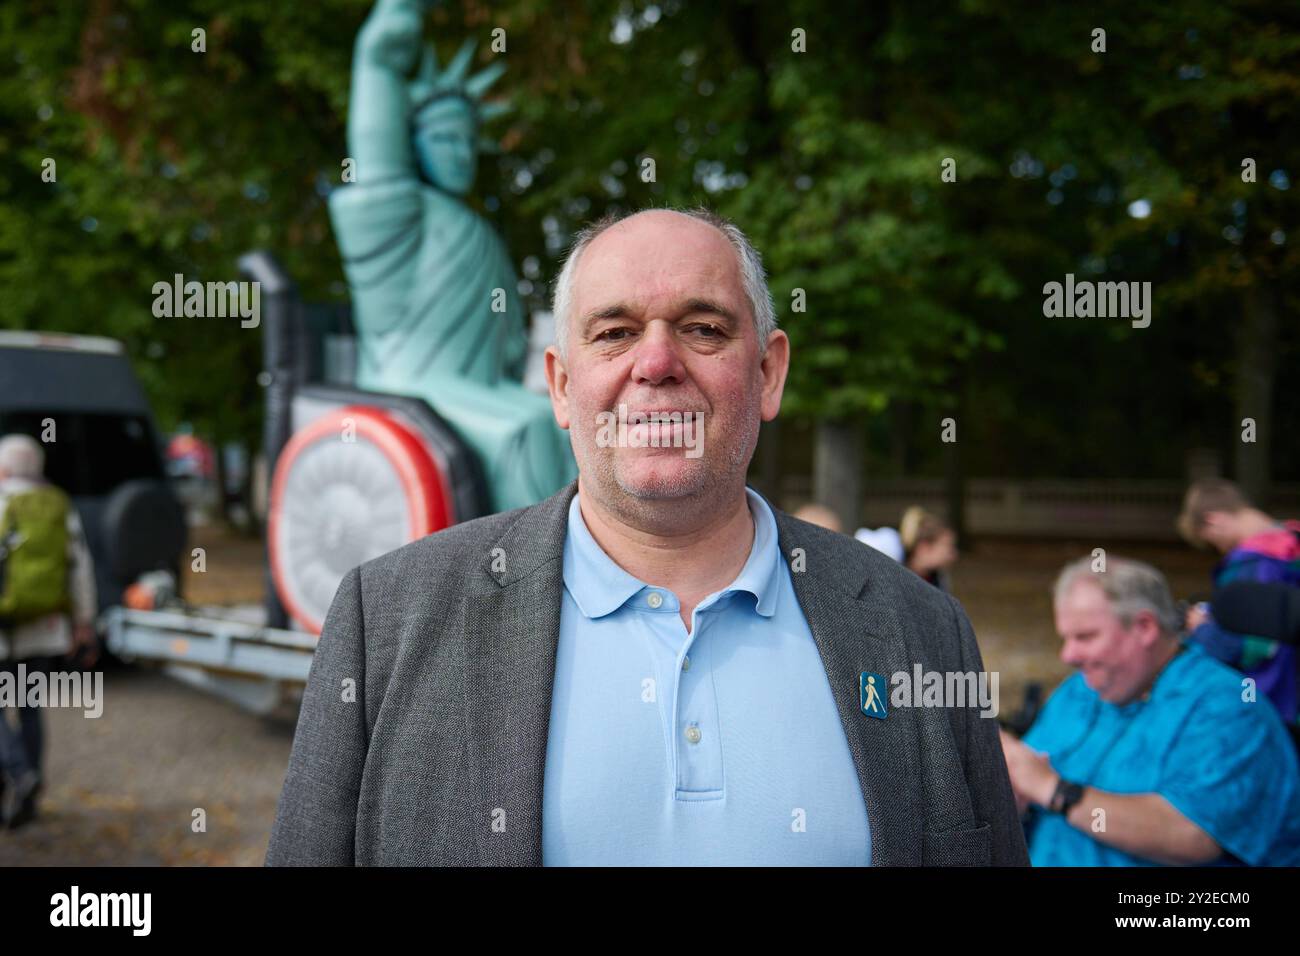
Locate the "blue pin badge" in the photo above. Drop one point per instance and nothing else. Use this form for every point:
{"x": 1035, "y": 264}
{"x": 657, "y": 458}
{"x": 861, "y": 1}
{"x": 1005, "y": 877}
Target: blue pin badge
{"x": 871, "y": 694}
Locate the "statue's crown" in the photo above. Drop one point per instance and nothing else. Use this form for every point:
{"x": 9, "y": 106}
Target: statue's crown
{"x": 431, "y": 84}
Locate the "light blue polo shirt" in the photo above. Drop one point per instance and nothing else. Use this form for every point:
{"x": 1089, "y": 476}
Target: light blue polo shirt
{"x": 718, "y": 747}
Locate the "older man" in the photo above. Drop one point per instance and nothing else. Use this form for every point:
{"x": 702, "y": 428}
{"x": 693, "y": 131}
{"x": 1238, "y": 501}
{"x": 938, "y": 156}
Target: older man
{"x": 1153, "y": 752}
{"x": 654, "y": 666}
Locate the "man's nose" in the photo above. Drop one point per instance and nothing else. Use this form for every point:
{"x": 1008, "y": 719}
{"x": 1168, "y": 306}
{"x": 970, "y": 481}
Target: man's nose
{"x": 656, "y": 360}
{"x": 1070, "y": 654}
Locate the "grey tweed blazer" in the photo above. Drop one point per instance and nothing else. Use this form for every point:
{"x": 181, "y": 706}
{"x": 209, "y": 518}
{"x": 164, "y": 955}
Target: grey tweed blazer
{"x": 436, "y": 755}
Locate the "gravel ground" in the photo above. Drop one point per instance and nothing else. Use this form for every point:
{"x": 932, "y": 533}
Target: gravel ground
{"x": 121, "y": 789}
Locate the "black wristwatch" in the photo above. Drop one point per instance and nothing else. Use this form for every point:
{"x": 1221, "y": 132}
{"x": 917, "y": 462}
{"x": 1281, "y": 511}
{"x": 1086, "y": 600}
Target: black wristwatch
{"x": 1065, "y": 796}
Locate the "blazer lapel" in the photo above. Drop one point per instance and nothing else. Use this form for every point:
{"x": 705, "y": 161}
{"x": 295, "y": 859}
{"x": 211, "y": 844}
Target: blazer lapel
{"x": 512, "y": 627}
{"x": 854, "y": 635}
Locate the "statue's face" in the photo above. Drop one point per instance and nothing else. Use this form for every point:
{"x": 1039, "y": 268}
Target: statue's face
{"x": 445, "y": 144}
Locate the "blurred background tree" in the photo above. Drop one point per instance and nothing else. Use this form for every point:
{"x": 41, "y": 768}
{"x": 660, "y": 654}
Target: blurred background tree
{"x": 922, "y": 298}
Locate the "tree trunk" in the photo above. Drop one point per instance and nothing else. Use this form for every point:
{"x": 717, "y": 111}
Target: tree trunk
{"x": 837, "y": 471}
{"x": 954, "y": 488}
{"x": 901, "y": 420}
{"x": 954, "y": 472}
{"x": 255, "y": 526}
{"x": 1256, "y": 374}
{"x": 219, "y": 476}
{"x": 768, "y": 472}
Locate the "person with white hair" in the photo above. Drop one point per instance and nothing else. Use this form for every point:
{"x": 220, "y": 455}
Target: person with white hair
{"x": 47, "y": 606}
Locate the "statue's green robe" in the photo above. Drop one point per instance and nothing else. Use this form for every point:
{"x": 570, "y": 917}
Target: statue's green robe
{"x": 438, "y": 317}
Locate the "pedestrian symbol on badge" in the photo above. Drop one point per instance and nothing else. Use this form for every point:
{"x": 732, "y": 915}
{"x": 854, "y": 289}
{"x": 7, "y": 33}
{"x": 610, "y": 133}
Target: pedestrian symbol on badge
{"x": 873, "y": 701}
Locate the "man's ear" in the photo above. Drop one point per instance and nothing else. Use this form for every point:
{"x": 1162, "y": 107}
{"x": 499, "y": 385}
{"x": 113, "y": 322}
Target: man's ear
{"x": 1148, "y": 628}
{"x": 557, "y": 384}
{"x": 775, "y": 365}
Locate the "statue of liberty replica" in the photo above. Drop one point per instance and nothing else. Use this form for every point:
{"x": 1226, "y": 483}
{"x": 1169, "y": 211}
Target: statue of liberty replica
{"x": 434, "y": 295}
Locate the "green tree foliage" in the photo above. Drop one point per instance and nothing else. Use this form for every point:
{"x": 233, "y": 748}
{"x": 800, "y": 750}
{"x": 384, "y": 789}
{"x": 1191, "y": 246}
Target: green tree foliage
{"x": 918, "y": 292}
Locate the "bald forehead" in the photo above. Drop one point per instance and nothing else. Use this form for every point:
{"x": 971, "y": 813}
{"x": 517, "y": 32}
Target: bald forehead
{"x": 658, "y": 238}
{"x": 655, "y": 259}
{"x": 660, "y": 219}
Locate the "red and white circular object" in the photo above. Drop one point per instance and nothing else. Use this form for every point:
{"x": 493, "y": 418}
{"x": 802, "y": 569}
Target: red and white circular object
{"x": 350, "y": 486}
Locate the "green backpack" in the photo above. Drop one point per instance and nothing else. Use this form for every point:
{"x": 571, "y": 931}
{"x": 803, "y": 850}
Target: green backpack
{"x": 34, "y": 554}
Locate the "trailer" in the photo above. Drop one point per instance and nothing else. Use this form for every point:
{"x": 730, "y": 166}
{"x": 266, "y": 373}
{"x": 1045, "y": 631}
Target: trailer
{"x": 353, "y": 473}
{"x": 226, "y": 651}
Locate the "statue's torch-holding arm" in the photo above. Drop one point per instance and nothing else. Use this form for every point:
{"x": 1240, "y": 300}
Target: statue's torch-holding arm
{"x": 386, "y": 51}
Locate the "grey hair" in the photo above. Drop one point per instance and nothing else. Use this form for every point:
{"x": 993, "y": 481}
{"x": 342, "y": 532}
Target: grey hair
{"x": 1130, "y": 586}
{"x": 22, "y": 456}
{"x": 752, "y": 276}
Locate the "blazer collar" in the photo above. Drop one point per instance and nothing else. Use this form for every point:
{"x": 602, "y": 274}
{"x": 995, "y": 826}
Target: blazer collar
{"x": 858, "y": 630}
{"x": 511, "y": 623}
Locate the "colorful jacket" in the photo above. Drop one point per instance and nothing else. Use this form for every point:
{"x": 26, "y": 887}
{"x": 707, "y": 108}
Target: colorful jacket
{"x": 1271, "y": 556}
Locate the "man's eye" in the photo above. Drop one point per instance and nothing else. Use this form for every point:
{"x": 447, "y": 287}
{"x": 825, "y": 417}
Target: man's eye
{"x": 610, "y": 335}
{"x": 708, "y": 331}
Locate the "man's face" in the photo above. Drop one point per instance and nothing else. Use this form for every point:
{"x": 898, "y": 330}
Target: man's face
{"x": 1114, "y": 659}
{"x": 659, "y": 322}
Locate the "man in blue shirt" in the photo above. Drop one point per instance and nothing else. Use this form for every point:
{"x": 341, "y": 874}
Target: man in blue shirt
{"x": 645, "y": 703}
{"x": 1153, "y": 752}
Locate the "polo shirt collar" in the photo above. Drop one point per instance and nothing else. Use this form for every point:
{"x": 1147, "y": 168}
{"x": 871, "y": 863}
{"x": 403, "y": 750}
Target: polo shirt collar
{"x": 597, "y": 584}
{"x": 600, "y": 587}
{"x": 759, "y": 576}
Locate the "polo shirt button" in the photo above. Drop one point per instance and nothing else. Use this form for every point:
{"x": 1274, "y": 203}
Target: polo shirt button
{"x": 693, "y": 734}
{"x": 686, "y": 663}
{"x": 655, "y": 600}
